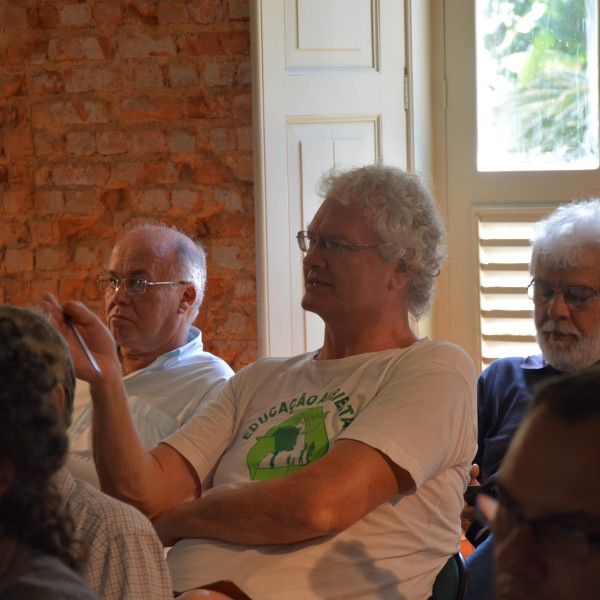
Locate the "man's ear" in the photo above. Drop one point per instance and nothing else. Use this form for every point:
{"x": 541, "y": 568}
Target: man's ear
{"x": 59, "y": 398}
{"x": 402, "y": 275}
{"x": 188, "y": 297}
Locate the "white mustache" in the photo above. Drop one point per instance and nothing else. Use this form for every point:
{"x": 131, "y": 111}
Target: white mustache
{"x": 563, "y": 327}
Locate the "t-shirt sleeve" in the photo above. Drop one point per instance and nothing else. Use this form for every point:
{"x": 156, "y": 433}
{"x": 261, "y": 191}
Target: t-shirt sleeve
{"x": 424, "y": 415}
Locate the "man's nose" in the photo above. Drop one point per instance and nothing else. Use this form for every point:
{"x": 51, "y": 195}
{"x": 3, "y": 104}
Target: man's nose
{"x": 557, "y": 307}
{"x": 120, "y": 296}
{"x": 314, "y": 255}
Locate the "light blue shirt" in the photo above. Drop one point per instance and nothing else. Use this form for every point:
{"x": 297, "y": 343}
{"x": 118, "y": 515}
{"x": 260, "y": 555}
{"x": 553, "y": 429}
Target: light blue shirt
{"x": 162, "y": 397}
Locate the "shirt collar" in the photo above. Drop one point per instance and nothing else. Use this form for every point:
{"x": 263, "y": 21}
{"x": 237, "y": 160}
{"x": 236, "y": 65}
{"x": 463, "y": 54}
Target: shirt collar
{"x": 168, "y": 359}
{"x": 536, "y": 362}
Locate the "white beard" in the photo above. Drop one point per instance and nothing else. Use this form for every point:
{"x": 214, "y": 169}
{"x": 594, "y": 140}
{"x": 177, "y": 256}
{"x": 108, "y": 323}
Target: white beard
{"x": 568, "y": 356}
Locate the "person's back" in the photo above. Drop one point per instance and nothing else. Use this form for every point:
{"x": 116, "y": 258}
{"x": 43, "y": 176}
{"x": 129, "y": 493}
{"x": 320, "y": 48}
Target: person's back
{"x": 38, "y": 556}
{"x": 124, "y": 559}
{"x": 124, "y": 555}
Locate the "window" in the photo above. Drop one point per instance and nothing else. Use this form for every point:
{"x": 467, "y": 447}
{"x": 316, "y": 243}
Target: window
{"x": 507, "y": 327}
{"x": 537, "y": 85}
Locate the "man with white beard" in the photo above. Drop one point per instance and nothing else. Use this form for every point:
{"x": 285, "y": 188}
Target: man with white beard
{"x": 565, "y": 284}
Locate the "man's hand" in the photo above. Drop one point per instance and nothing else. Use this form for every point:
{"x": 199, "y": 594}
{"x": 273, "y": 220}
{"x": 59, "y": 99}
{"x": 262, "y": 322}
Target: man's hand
{"x": 97, "y": 337}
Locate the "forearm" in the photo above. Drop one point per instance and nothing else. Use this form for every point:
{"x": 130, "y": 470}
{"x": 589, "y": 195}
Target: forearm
{"x": 122, "y": 463}
{"x": 125, "y": 468}
{"x": 253, "y": 515}
{"x": 324, "y": 498}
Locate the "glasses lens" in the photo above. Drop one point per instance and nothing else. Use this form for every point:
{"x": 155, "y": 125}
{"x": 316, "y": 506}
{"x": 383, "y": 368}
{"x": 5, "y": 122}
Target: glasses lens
{"x": 542, "y": 292}
{"x": 305, "y": 241}
{"x": 579, "y": 296}
{"x": 135, "y": 286}
{"x": 105, "y": 283}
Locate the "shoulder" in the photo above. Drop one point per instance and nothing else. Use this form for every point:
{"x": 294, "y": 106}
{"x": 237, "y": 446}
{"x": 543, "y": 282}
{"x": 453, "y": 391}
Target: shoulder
{"x": 93, "y": 510}
{"x": 511, "y": 366}
{"x": 442, "y": 354}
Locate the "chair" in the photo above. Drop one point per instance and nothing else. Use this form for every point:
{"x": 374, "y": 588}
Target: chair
{"x": 451, "y": 581}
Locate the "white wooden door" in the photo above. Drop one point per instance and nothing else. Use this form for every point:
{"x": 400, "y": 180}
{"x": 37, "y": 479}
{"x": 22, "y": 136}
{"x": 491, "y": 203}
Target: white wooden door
{"x": 328, "y": 85}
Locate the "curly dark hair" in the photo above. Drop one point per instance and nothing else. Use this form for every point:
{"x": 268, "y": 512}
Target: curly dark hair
{"x": 33, "y": 444}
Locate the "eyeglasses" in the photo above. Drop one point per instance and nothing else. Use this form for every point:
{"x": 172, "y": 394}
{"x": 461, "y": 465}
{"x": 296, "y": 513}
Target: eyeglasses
{"x": 577, "y": 297}
{"x": 307, "y": 241}
{"x": 131, "y": 284}
{"x": 570, "y": 534}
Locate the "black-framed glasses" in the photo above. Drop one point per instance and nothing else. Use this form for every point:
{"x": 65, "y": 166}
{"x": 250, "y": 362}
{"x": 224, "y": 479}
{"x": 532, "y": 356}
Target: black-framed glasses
{"x": 577, "y": 297}
{"x": 307, "y": 241}
{"x": 575, "y": 535}
{"x": 131, "y": 284}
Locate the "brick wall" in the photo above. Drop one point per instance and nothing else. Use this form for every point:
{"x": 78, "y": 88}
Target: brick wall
{"x": 114, "y": 112}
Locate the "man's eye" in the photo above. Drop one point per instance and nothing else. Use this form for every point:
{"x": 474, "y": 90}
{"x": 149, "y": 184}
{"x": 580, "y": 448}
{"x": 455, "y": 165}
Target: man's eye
{"x": 332, "y": 245}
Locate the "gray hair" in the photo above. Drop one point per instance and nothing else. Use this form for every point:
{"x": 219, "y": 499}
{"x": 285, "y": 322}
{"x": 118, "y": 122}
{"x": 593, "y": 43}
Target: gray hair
{"x": 571, "y": 398}
{"x": 406, "y": 217}
{"x": 561, "y": 237}
{"x": 191, "y": 258}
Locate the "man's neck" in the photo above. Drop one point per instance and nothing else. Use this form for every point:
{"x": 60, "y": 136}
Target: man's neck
{"x": 362, "y": 342}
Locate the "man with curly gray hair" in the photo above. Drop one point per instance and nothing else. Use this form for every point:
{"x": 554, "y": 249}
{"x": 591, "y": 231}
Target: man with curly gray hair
{"x": 338, "y": 473}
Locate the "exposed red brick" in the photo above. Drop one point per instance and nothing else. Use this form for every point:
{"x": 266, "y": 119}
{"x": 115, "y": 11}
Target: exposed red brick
{"x": 206, "y": 11}
{"x": 172, "y": 12}
{"x": 112, "y": 142}
{"x": 238, "y": 10}
{"x": 217, "y": 43}
{"x": 15, "y": 202}
{"x": 76, "y": 15}
{"x": 183, "y": 75}
{"x": 140, "y": 45}
{"x": 114, "y": 200}
{"x": 80, "y": 143}
{"x": 130, "y": 111}
{"x": 18, "y": 142}
{"x": 49, "y": 202}
{"x": 50, "y": 82}
{"x": 151, "y": 109}
{"x": 80, "y": 174}
{"x": 84, "y": 48}
{"x": 18, "y": 260}
{"x": 13, "y": 17}
{"x": 108, "y": 13}
{"x": 141, "y": 11}
{"x": 74, "y": 227}
{"x": 51, "y": 258}
{"x": 10, "y": 85}
{"x": 42, "y": 17}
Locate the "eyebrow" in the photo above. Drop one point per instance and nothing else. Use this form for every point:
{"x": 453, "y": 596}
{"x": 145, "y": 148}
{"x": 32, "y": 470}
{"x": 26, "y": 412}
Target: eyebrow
{"x": 136, "y": 274}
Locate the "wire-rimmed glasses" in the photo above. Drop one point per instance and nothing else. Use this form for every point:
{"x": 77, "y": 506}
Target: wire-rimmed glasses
{"x": 131, "y": 285}
{"x": 307, "y": 241}
{"x": 576, "y": 297}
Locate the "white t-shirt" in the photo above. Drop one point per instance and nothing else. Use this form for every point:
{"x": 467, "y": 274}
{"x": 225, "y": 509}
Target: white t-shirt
{"x": 162, "y": 397}
{"x": 416, "y": 405}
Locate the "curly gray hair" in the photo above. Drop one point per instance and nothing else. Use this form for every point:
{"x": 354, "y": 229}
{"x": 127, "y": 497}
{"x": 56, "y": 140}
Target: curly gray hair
{"x": 405, "y": 216}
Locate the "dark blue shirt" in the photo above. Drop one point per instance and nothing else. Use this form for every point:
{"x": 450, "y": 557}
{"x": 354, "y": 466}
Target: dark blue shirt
{"x": 504, "y": 392}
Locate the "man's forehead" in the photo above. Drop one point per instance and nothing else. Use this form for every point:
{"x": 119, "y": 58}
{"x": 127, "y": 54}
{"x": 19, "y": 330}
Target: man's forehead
{"x": 138, "y": 257}
{"x": 554, "y": 466}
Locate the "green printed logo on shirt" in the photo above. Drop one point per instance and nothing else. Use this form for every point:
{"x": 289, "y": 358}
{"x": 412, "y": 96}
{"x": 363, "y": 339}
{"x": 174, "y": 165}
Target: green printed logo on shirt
{"x": 289, "y": 446}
